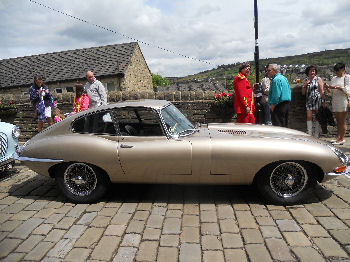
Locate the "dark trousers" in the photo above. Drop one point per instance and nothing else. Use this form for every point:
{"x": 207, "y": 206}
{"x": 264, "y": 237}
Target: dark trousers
{"x": 279, "y": 116}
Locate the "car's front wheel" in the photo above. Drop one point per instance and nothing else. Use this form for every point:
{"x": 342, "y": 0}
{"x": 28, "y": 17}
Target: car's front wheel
{"x": 81, "y": 182}
{"x": 286, "y": 182}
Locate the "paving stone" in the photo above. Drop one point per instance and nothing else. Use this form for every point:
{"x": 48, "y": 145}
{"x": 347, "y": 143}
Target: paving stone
{"x": 151, "y": 234}
{"x": 174, "y": 213}
{"x": 210, "y": 229}
{"x": 77, "y": 211}
{"x": 245, "y": 219}
{"x": 43, "y": 229}
{"x": 105, "y": 248}
{"x": 37, "y": 205}
{"x": 207, "y": 207}
{"x": 75, "y": 231}
{"x": 241, "y": 207}
{"x": 331, "y": 223}
{"x": 121, "y": 218}
{"x": 252, "y": 236}
{"x": 78, "y": 254}
{"x": 28, "y": 244}
{"x": 22, "y": 215}
{"x": 128, "y": 208}
{"x": 141, "y": 215}
{"x": 10, "y": 225}
{"x": 335, "y": 202}
{"x": 296, "y": 239}
{"x": 305, "y": 253}
{"x": 258, "y": 253}
{"x": 279, "y": 250}
{"x": 167, "y": 254}
{"x": 65, "y": 223}
{"x": 39, "y": 251}
{"x": 131, "y": 240}
{"x": 90, "y": 237}
{"x": 229, "y": 226}
{"x": 135, "y": 226}
{"x": 7, "y": 246}
{"x": 315, "y": 231}
{"x": 318, "y": 210}
{"x": 190, "y": 221}
{"x": 329, "y": 247}
{"x": 270, "y": 231}
{"x": 172, "y": 226}
{"x": 55, "y": 235}
{"x": 342, "y": 236}
{"x": 108, "y": 212}
{"x": 231, "y": 240}
{"x": 303, "y": 216}
{"x": 125, "y": 254}
{"x": 144, "y": 206}
{"x": 342, "y": 213}
{"x": 161, "y": 211}
{"x": 208, "y": 216}
{"x": 287, "y": 225}
{"x": 169, "y": 240}
{"x": 115, "y": 230}
{"x": 14, "y": 257}
{"x": 260, "y": 212}
{"x": 54, "y": 219}
{"x": 100, "y": 221}
{"x": 190, "y": 252}
{"x": 87, "y": 218}
{"x": 23, "y": 231}
{"x": 235, "y": 255}
{"x": 155, "y": 221}
{"x": 61, "y": 249}
{"x": 147, "y": 251}
{"x": 211, "y": 243}
{"x": 225, "y": 212}
{"x": 94, "y": 207}
{"x": 216, "y": 256}
{"x": 13, "y": 208}
{"x": 191, "y": 209}
{"x": 265, "y": 221}
{"x": 280, "y": 214}
{"x": 5, "y": 217}
{"x": 190, "y": 235}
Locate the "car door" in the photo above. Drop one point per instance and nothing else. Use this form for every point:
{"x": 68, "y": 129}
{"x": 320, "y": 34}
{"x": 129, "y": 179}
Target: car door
{"x": 144, "y": 151}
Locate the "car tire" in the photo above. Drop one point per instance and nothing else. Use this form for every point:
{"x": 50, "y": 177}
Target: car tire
{"x": 286, "y": 182}
{"x": 81, "y": 182}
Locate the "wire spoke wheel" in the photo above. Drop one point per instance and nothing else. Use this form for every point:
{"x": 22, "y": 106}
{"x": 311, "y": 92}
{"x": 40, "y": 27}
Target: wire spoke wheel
{"x": 80, "y": 179}
{"x": 288, "y": 179}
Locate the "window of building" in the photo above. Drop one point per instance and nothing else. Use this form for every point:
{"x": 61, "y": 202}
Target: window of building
{"x": 110, "y": 86}
{"x": 70, "y": 89}
{"x": 58, "y": 90}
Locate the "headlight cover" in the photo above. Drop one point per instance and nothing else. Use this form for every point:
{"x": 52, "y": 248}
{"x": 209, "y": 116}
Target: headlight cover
{"x": 342, "y": 157}
{"x": 16, "y": 132}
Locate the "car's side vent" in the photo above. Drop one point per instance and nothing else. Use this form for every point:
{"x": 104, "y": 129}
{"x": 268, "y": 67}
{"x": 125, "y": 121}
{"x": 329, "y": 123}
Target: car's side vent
{"x": 3, "y": 144}
{"x": 233, "y": 132}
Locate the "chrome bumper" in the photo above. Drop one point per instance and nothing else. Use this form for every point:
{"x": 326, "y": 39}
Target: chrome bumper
{"x": 42, "y": 160}
{"x": 331, "y": 175}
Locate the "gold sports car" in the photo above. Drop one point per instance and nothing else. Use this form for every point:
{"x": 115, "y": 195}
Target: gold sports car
{"x": 151, "y": 141}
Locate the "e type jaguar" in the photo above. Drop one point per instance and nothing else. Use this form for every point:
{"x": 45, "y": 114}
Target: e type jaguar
{"x": 151, "y": 141}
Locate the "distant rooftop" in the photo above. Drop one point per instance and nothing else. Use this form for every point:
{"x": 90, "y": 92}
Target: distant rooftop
{"x": 66, "y": 65}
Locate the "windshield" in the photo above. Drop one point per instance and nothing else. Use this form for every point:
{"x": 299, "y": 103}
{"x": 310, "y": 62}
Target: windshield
{"x": 176, "y": 122}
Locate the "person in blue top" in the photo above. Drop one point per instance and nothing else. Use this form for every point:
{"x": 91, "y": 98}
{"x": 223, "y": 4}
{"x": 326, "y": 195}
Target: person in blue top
{"x": 279, "y": 96}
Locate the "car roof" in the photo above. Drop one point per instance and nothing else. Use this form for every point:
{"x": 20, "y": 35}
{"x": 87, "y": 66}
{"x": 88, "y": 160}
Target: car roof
{"x": 150, "y": 103}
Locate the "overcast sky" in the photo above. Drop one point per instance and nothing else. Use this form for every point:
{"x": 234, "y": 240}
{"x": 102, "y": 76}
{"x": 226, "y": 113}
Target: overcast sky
{"x": 218, "y": 32}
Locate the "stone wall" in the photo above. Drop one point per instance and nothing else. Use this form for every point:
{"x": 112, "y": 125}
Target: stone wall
{"x": 197, "y": 106}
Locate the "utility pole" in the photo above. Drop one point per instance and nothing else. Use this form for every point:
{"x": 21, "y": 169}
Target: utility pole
{"x": 256, "y": 53}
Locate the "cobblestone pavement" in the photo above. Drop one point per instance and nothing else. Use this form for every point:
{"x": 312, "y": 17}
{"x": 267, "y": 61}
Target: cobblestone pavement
{"x": 171, "y": 223}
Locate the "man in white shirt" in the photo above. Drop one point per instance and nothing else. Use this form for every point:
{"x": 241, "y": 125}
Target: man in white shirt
{"x": 95, "y": 90}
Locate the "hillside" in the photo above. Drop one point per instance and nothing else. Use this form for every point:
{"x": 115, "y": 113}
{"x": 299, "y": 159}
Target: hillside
{"x": 324, "y": 61}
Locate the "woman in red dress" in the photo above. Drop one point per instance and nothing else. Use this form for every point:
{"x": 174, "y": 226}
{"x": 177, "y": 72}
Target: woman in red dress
{"x": 81, "y": 99}
{"x": 244, "y": 98}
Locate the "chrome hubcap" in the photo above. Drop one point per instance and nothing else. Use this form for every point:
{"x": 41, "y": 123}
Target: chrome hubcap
{"x": 80, "y": 179}
{"x": 288, "y": 179}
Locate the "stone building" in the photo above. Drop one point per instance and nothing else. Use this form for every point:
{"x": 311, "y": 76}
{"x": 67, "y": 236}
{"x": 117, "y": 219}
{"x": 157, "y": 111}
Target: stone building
{"x": 120, "y": 67}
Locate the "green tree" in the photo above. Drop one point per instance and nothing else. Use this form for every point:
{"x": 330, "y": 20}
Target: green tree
{"x": 158, "y": 80}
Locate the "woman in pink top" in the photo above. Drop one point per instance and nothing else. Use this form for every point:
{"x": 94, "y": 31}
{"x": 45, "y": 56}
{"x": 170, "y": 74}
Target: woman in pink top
{"x": 81, "y": 99}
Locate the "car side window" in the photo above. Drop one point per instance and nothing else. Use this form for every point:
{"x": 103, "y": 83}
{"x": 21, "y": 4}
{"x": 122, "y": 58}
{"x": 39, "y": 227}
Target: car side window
{"x": 96, "y": 123}
{"x": 138, "y": 122}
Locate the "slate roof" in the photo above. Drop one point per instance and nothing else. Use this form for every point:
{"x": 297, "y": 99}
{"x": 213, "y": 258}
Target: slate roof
{"x": 66, "y": 65}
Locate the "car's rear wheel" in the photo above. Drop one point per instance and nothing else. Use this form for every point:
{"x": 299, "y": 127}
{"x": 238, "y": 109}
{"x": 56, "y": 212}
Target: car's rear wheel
{"x": 286, "y": 182}
{"x": 81, "y": 182}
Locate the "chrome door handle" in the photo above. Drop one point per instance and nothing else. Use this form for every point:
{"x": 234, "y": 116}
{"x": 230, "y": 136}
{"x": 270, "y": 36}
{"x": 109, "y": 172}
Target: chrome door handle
{"x": 125, "y": 146}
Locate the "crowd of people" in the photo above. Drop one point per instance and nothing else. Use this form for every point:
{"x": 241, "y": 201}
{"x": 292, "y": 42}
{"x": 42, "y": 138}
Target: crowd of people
{"x": 273, "y": 97}
{"x": 92, "y": 95}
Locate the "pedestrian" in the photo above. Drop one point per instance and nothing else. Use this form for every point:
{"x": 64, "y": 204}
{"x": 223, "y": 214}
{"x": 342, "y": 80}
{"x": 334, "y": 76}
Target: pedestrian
{"x": 266, "y": 83}
{"x": 313, "y": 90}
{"x": 81, "y": 99}
{"x": 57, "y": 115}
{"x": 41, "y": 99}
{"x": 339, "y": 89}
{"x": 95, "y": 90}
{"x": 244, "y": 98}
{"x": 279, "y": 96}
